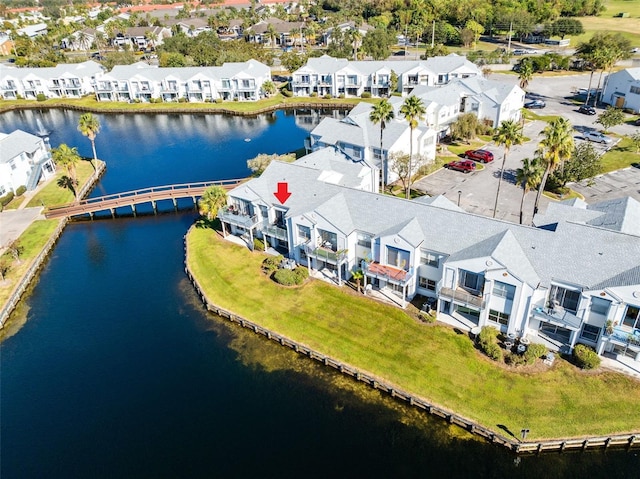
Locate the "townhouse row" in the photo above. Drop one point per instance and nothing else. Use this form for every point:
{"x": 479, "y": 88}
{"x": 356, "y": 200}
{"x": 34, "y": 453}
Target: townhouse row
{"x": 137, "y": 82}
{"x": 572, "y": 278}
{"x": 338, "y": 76}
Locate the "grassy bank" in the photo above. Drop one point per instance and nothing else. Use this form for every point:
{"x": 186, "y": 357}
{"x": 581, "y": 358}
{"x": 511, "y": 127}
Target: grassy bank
{"x": 432, "y": 361}
{"x": 32, "y": 242}
{"x": 89, "y": 103}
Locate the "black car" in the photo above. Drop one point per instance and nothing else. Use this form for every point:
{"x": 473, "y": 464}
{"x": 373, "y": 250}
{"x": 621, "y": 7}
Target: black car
{"x": 534, "y": 104}
{"x": 587, "y": 110}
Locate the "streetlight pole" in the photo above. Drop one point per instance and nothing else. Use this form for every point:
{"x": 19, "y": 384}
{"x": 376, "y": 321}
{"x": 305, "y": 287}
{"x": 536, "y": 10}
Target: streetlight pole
{"x": 459, "y": 194}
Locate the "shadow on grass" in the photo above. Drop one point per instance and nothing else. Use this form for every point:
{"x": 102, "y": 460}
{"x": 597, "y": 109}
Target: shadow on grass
{"x": 507, "y": 430}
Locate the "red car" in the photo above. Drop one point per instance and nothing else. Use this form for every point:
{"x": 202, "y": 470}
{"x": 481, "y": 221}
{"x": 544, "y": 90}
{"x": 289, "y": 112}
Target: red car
{"x": 482, "y": 156}
{"x": 464, "y": 165}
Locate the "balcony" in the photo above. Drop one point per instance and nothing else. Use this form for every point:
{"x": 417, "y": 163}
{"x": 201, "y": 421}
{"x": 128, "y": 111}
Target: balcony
{"x": 234, "y": 216}
{"x": 100, "y": 88}
{"x": 169, "y": 89}
{"x": 387, "y": 273}
{"x": 326, "y": 254}
{"x": 301, "y": 83}
{"x": 559, "y": 317}
{"x": 247, "y": 87}
{"x": 625, "y": 337}
{"x": 463, "y": 296}
{"x": 274, "y": 231}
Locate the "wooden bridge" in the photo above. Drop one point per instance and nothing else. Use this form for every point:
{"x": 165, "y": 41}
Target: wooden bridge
{"x": 136, "y": 197}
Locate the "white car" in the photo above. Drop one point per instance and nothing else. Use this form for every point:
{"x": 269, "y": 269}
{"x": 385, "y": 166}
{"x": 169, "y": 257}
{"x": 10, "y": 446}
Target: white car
{"x": 597, "y": 137}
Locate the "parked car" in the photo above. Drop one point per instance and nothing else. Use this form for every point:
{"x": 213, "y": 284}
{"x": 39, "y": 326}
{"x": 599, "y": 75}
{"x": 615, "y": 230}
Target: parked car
{"x": 519, "y": 51}
{"x": 464, "y": 165}
{"x": 597, "y": 137}
{"x": 483, "y": 156}
{"x": 535, "y": 104}
{"x": 587, "y": 110}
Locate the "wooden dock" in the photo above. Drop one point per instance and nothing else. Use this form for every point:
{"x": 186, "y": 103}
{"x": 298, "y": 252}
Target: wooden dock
{"x": 136, "y": 197}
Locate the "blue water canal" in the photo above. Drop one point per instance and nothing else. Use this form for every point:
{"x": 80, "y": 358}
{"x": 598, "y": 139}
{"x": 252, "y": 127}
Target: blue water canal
{"x": 118, "y": 371}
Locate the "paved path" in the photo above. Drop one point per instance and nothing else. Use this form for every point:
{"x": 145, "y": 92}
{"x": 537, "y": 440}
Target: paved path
{"x": 14, "y": 222}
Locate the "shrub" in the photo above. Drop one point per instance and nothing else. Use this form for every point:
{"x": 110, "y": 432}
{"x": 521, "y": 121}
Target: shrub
{"x": 493, "y": 351}
{"x": 258, "y": 244}
{"x": 313, "y": 94}
{"x": 6, "y": 199}
{"x": 218, "y": 100}
{"x": 272, "y": 263}
{"x": 286, "y": 92}
{"x": 328, "y": 96}
{"x": 41, "y": 97}
{"x": 366, "y": 94}
{"x": 21, "y": 189}
{"x": 533, "y": 352}
{"x": 290, "y": 277}
{"x": 182, "y": 100}
{"x": 515, "y": 359}
{"x": 341, "y": 95}
{"x": 301, "y": 273}
{"x": 585, "y": 357}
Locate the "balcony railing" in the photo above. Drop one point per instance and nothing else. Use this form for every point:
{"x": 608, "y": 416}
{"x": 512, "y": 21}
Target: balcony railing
{"x": 463, "y": 296}
{"x": 233, "y": 216}
{"x": 275, "y": 231}
{"x": 559, "y": 317}
{"x": 625, "y": 337}
{"x": 388, "y": 273}
{"x": 326, "y": 254}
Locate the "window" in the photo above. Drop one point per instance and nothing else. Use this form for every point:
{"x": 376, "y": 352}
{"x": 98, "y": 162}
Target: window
{"x": 12, "y": 164}
{"x": 471, "y": 281}
{"x": 304, "y": 233}
{"x": 226, "y": 84}
{"x": 429, "y": 258}
{"x": 364, "y": 240}
{"x": 398, "y": 258}
{"x": 427, "y": 283}
{"x": 564, "y": 298}
{"x": 590, "y": 333}
{"x": 498, "y": 317}
{"x": 632, "y": 317}
{"x": 600, "y": 306}
{"x": 635, "y": 89}
{"x": 504, "y": 290}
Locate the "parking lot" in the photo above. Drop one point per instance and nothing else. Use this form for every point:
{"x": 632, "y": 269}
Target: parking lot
{"x": 475, "y": 191}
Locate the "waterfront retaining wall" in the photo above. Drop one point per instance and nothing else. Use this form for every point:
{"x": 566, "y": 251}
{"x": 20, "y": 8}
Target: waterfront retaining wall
{"x": 519, "y": 447}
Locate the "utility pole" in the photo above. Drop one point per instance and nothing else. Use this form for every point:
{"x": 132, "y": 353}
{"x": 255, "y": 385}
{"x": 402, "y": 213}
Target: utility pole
{"x": 509, "y": 45}
{"x": 433, "y": 34}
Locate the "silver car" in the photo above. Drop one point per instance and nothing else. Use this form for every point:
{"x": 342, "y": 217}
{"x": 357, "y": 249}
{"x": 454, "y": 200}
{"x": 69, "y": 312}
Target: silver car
{"x": 597, "y": 137}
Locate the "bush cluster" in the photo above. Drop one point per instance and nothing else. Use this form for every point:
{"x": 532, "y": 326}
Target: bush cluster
{"x": 41, "y": 97}
{"x": 291, "y": 277}
{"x": 271, "y": 263}
{"x": 585, "y": 357}
{"x": 328, "y": 96}
{"x": 6, "y": 199}
{"x": 488, "y": 342}
{"x": 366, "y": 94}
{"x": 313, "y": 94}
{"x": 286, "y": 92}
{"x": 20, "y": 190}
{"x": 258, "y": 244}
{"x": 533, "y": 352}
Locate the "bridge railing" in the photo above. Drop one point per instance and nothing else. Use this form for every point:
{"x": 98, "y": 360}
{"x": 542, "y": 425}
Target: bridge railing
{"x": 150, "y": 192}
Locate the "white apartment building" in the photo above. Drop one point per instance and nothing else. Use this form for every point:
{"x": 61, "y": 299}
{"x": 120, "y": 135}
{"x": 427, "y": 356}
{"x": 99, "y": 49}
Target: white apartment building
{"x": 25, "y": 159}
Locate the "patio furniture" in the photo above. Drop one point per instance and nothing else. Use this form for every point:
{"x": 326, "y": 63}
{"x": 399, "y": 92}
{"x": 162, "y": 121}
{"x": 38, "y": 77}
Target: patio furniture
{"x": 508, "y": 345}
{"x": 521, "y": 348}
{"x": 525, "y": 341}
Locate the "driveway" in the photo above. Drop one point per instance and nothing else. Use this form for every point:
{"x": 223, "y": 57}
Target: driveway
{"x": 14, "y": 222}
{"x": 476, "y": 192}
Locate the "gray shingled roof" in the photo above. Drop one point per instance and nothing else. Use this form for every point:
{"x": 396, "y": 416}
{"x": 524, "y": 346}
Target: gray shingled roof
{"x": 17, "y": 142}
{"x": 580, "y": 254}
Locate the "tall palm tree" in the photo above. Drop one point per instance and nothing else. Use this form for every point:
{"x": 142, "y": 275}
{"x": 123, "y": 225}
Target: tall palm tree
{"x": 68, "y": 158}
{"x": 526, "y": 74}
{"x": 211, "y": 201}
{"x": 556, "y": 147}
{"x": 382, "y": 113}
{"x": 508, "y": 134}
{"x": 413, "y": 111}
{"x": 528, "y": 177}
{"x": 89, "y": 126}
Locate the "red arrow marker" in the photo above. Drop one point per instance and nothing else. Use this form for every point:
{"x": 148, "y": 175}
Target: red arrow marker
{"x": 283, "y": 192}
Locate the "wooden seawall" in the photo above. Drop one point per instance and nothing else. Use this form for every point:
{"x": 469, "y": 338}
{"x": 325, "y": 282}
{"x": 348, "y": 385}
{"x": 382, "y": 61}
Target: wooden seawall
{"x": 559, "y": 445}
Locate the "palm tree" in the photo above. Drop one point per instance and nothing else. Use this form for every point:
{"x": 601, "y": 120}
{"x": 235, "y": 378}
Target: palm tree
{"x": 528, "y": 177}
{"x": 556, "y": 147}
{"x": 68, "y": 158}
{"x": 526, "y": 74}
{"x": 271, "y": 34}
{"x": 357, "y": 275}
{"x": 413, "y": 111}
{"x": 211, "y": 201}
{"x": 382, "y": 113}
{"x": 508, "y": 134}
{"x": 89, "y": 126}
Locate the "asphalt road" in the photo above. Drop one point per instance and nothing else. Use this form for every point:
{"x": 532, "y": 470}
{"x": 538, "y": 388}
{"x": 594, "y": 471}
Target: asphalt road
{"x": 476, "y": 191}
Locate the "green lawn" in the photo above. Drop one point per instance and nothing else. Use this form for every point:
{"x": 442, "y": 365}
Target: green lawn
{"x": 54, "y": 195}
{"x": 432, "y": 361}
{"x": 620, "y": 156}
{"x": 32, "y": 241}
